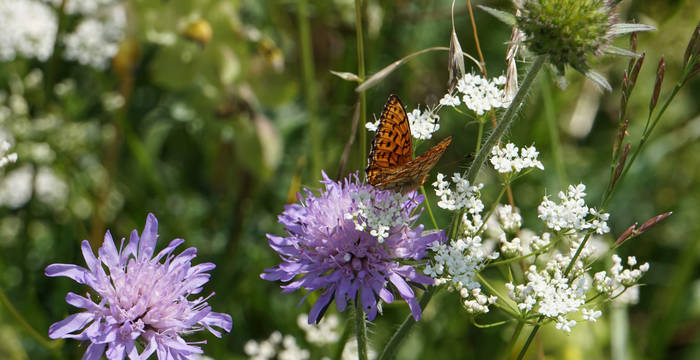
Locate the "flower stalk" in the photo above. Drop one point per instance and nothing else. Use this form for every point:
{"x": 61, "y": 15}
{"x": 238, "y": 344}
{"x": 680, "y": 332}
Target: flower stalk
{"x": 360, "y": 330}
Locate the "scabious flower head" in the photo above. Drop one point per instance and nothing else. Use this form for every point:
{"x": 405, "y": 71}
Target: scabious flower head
{"x": 326, "y": 251}
{"x": 138, "y": 299}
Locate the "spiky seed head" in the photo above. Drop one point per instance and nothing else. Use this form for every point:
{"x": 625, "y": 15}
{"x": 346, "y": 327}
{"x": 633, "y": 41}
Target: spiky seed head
{"x": 567, "y": 31}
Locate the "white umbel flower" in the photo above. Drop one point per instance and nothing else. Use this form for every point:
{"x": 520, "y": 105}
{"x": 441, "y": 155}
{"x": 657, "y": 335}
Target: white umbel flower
{"x": 511, "y": 159}
{"x": 28, "y": 29}
{"x": 96, "y": 39}
{"x": 478, "y": 94}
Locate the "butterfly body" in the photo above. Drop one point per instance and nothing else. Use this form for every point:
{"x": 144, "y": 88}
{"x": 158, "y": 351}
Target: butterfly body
{"x": 391, "y": 164}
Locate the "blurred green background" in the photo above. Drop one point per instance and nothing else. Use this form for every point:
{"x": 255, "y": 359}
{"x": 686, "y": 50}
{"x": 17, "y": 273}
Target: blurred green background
{"x": 205, "y": 117}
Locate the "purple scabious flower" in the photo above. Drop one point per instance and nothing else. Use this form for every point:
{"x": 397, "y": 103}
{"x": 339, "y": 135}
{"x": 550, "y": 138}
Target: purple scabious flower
{"x": 138, "y": 299}
{"x": 348, "y": 242}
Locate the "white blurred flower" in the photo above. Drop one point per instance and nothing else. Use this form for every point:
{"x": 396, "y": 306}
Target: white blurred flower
{"x": 28, "y": 28}
{"x": 350, "y": 351}
{"x": 327, "y": 331}
{"x": 96, "y": 38}
{"x": 84, "y": 7}
{"x": 6, "y": 158}
{"x": 279, "y": 346}
{"x": 16, "y": 188}
{"x": 49, "y": 188}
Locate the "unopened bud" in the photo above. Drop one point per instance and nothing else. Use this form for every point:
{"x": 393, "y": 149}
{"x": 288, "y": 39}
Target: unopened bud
{"x": 657, "y": 87}
{"x": 199, "y": 31}
{"x": 653, "y": 221}
{"x": 625, "y": 235}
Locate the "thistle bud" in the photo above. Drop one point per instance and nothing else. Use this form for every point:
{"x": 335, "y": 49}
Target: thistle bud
{"x": 635, "y": 70}
{"x": 567, "y": 32}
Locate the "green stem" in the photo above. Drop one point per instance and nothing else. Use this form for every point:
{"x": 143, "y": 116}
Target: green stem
{"x": 479, "y": 135}
{"x": 522, "y": 353}
{"x": 52, "y": 346}
{"x": 507, "y": 119}
{"x": 513, "y": 340}
{"x": 493, "y": 208}
{"x": 392, "y": 346}
{"x": 360, "y": 329}
{"x": 307, "y": 60}
{"x": 361, "y": 74}
{"x": 649, "y": 127}
{"x": 553, "y": 131}
{"x": 427, "y": 206}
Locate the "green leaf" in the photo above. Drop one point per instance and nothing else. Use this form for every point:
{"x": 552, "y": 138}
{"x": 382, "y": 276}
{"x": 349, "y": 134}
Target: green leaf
{"x": 620, "y": 29}
{"x": 506, "y": 17}
{"x": 346, "y": 76}
{"x": 614, "y": 50}
{"x": 597, "y": 78}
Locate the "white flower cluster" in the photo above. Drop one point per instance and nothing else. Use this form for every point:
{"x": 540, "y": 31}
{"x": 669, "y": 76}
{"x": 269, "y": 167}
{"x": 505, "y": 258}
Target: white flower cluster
{"x": 465, "y": 196}
{"x": 479, "y": 94}
{"x": 378, "y": 214}
{"x": 620, "y": 279}
{"x": 527, "y": 243}
{"x": 350, "y": 351}
{"x": 96, "y": 38}
{"x": 571, "y": 213}
{"x": 457, "y": 264}
{"x": 511, "y": 159}
{"x": 6, "y": 158}
{"x": 325, "y": 333}
{"x": 282, "y": 347}
{"x": 551, "y": 294}
{"x": 28, "y": 28}
{"x": 422, "y": 124}
{"x": 508, "y": 218}
{"x": 84, "y": 7}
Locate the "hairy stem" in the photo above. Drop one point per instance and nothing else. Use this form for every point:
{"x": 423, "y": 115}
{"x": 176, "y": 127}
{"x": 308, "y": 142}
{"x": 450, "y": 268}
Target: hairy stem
{"x": 507, "y": 120}
{"x": 392, "y": 346}
{"x": 360, "y": 330}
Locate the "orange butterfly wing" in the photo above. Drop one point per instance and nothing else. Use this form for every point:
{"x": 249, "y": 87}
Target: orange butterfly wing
{"x": 390, "y": 165}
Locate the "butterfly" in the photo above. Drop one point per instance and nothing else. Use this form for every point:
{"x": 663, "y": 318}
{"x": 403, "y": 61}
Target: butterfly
{"x": 391, "y": 164}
